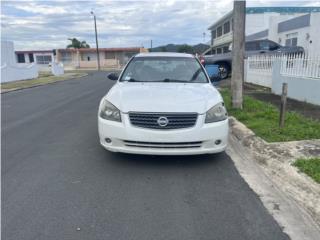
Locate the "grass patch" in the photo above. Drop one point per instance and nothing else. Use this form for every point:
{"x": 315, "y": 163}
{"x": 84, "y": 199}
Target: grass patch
{"x": 263, "y": 119}
{"x": 311, "y": 167}
{"x": 44, "y": 78}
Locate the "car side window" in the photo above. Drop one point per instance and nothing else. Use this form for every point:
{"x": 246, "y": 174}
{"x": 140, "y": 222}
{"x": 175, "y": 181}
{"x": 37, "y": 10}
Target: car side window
{"x": 251, "y": 46}
{"x": 273, "y": 46}
{"x": 264, "y": 45}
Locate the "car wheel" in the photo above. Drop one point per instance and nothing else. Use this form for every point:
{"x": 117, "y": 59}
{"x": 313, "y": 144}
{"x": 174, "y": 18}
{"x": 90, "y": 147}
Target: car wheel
{"x": 223, "y": 71}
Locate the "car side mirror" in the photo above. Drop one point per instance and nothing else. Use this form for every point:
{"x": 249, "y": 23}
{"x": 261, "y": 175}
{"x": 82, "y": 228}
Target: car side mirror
{"x": 113, "y": 76}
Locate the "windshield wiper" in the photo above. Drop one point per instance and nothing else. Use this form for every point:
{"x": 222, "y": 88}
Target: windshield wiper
{"x": 172, "y": 80}
{"x": 133, "y": 80}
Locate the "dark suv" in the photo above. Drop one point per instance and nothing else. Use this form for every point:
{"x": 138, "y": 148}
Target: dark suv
{"x": 252, "y": 48}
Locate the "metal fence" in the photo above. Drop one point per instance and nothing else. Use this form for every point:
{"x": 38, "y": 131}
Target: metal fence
{"x": 295, "y": 65}
{"x": 300, "y": 65}
{"x": 262, "y": 62}
{"x": 258, "y": 69}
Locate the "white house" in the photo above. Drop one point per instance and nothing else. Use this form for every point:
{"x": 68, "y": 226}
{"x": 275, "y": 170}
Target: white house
{"x": 259, "y": 22}
{"x": 297, "y": 31}
{"x": 41, "y": 58}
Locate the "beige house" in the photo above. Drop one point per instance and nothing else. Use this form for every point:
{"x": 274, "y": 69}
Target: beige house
{"x": 87, "y": 57}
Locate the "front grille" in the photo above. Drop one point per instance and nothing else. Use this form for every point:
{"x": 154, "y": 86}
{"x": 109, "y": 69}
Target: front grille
{"x": 174, "y": 120}
{"x": 162, "y": 144}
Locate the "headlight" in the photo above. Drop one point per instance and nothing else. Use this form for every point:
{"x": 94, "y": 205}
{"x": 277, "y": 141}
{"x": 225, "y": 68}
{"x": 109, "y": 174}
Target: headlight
{"x": 216, "y": 113}
{"x": 109, "y": 112}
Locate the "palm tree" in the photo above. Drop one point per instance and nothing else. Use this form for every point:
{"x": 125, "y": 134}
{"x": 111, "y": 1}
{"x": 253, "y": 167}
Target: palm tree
{"x": 75, "y": 43}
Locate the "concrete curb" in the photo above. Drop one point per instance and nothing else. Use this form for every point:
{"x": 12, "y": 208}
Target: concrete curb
{"x": 276, "y": 160}
{"x": 42, "y": 84}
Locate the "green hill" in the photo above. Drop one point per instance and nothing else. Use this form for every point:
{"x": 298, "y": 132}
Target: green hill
{"x": 198, "y": 48}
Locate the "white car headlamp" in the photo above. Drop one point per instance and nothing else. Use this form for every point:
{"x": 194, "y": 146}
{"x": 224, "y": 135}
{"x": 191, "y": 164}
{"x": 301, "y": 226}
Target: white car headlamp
{"x": 109, "y": 112}
{"x": 216, "y": 113}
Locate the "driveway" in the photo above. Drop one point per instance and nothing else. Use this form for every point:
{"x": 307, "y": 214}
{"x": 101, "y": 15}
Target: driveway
{"x": 58, "y": 183}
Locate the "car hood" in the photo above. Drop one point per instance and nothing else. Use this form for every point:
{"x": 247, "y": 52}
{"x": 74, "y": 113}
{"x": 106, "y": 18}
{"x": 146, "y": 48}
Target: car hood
{"x": 163, "y": 97}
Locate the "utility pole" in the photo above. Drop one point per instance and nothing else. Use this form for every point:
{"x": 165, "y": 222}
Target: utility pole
{"x": 97, "y": 46}
{"x": 151, "y": 45}
{"x": 238, "y": 52}
{"x": 204, "y": 37}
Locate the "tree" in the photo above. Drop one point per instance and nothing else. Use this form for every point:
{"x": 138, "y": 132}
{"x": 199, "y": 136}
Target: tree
{"x": 185, "y": 48}
{"x": 75, "y": 43}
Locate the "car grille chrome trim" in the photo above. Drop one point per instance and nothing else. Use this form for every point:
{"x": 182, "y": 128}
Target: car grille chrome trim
{"x": 175, "y": 120}
{"x": 162, "y": 144}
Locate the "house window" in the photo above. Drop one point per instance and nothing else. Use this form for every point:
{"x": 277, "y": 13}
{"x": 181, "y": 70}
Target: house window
{"x": 21, "y": 58}
{"x": 226, "y": 27}
{"x": 219, "y": 31}
{"x": 292, "y": 42}
{"x": 225, "y": 49}
{"x": 292, "y": 39}
{"x": 219, "y": 50}
{"x": 211, "y": 52}
{"x": 43, "y": 59}
{"x": 31, "y": 59}
{"x": 214, "y": 34}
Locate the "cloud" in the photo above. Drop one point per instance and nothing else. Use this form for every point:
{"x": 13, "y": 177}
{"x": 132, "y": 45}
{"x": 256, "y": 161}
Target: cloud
{"x": 41, "y": 9}
{"x": 48, "y": 24}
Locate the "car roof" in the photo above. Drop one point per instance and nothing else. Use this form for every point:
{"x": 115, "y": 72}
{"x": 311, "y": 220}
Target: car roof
{"x": 164, "y": 54}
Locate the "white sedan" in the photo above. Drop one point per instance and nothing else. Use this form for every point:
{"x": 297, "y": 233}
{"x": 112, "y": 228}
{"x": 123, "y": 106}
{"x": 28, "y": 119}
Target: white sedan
{"x": 163, "y": 104}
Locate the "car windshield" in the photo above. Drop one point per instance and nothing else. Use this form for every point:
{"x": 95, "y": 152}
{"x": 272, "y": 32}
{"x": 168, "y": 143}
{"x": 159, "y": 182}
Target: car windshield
{"x": 164, "y": 69}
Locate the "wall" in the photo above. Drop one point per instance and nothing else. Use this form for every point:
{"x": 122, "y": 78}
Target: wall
{"x": 57, "y": 69}
{"x": 11, "y": 73}
{"x": 108, "y": 63}
{"x": 258, "y": 22}
{"x": 262, "y": 78}
{"x": 7, "y": 53}
{"x": 91, "y": 55}
{"x": 302, "y": 89}
{"x": 305, "y": 35}
{"x": 273, "y": 26}
{"x": 301, "y": 36}
{"x": 314, "y": 47}
{"x": 73, "y": 61}
{"x": 299, "y": 88}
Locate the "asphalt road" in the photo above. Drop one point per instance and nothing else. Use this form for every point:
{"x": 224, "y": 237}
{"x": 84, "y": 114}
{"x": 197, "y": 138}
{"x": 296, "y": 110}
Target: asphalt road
{"x": 58, "y": 183}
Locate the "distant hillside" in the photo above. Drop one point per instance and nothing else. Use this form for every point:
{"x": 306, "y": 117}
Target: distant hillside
{"x": 199, "y": 48}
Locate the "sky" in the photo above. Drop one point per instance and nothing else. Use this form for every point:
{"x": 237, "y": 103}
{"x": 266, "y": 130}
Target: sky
{"x": 34, "y": 25}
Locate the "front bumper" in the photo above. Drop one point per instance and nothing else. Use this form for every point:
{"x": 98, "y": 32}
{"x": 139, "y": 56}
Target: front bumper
{"x": 210, "y": 138}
